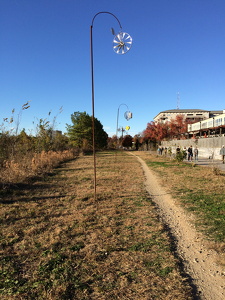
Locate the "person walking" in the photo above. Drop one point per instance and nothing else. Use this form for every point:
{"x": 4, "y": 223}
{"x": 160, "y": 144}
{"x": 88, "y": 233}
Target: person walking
{"x": 185, "y": 152}
{"x": 159, "y": 150}
{"x": 190, "y": 153}
{"x": 196, "y": 154}
{"x": 222, "y": 153}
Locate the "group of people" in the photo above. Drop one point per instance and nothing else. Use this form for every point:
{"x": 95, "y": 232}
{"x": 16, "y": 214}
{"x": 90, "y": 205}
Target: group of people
{"x": 161, "y": 150}
{"x": 190, "y": 153}
{"x": 194, "y": 153}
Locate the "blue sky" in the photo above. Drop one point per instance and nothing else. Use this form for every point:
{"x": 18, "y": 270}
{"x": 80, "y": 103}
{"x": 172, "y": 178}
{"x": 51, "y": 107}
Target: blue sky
{"x": 178, "y": 46}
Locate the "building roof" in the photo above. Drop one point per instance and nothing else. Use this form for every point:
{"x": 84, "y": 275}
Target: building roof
{"x": 216, "y": 111}
{"x": 190, "y": 111}
{"x": 182, "y": 111}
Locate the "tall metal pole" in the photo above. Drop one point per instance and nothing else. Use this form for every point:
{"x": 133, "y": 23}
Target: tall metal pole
{"x": 93, "y": 108}
{"x": 117, "y": 121}
{"x": 93, "y": 97}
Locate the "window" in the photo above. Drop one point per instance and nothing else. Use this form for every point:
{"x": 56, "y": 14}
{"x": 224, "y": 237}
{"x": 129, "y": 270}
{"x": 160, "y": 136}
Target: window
{"x": 204, "y": 125}
{"x": 210, "y": 124}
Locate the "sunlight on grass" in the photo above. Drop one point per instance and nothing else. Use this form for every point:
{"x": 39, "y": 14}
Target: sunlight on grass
{"x": 199, "y": 189}
{"x": 58, "y": 243}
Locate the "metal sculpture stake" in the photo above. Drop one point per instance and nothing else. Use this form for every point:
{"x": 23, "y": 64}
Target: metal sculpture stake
{"x": 127, "y": 116}
{"x": 121, "y": 44}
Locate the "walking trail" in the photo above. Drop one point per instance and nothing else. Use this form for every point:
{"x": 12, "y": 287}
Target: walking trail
{"x": 199, "y": 262}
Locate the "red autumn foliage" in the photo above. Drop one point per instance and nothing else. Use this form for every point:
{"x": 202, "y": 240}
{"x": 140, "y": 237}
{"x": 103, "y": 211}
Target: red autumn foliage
{"x": 127, "y": 141}
{"x": 156, "y": 131}
{"x": 161, "y": 131}
{"x": 178, "y": 126}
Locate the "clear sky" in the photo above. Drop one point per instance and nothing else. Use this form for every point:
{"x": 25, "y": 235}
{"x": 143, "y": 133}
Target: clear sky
{"x": 178, "y": 46}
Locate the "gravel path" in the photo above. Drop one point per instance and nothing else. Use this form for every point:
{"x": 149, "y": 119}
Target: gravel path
{"x": 199, "y": 262}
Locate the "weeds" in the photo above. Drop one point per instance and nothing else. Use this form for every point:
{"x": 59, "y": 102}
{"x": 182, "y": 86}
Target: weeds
{"x": 16, "y": 171}
{"x": 23, "y": 156}
{"x": 216, "y": 171}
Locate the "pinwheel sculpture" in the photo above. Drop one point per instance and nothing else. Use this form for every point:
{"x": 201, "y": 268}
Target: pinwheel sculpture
{"x": 128, "y": 115}
{"x": 121, "y": 44}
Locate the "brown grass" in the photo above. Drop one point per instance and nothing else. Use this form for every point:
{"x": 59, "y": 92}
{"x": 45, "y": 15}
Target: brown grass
{"x": 58, "y": 243}
{"x": 29, "y": 165}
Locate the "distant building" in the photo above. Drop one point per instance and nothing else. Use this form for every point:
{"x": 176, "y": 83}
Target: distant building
{"x": 191, "y": 115}
{"x": 215, "y": 125}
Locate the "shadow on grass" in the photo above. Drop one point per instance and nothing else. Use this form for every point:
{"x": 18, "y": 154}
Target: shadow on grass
{"x": 33, "y": 199}
{"x": 13, "y": 192}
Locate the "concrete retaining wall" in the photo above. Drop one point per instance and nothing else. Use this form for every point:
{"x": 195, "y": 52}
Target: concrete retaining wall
{"x": 206, "y": 146}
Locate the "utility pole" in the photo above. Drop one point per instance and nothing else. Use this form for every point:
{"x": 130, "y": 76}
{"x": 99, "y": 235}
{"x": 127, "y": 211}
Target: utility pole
{"x": 178, "y": 100}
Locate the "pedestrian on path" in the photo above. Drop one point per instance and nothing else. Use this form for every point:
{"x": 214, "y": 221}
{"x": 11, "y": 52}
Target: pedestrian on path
{"x": 196, "y": 154}
{"x": 185, "y": 152}
{"x": 222, "y": 153}
{"x": 190, "y": 153}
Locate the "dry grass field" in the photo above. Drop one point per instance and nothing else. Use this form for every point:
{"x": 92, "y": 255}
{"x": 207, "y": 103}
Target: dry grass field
{"x": 58, "y": 243}
{"x": 25, "y": 167}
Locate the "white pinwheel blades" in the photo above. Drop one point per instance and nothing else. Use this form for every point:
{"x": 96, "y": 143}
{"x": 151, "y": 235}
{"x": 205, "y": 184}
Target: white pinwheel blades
{"x": 122, "y": 43}
{"x": 128, "y": 115}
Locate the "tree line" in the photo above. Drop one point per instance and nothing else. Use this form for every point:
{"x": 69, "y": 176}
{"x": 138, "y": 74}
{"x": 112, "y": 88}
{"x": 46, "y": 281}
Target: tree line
{"x": 78, "y": 136}
{"x": 24, "y": 155}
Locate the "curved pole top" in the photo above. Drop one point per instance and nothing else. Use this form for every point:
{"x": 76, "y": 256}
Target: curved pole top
{"x": 123, "y": 104}
{"x": 105, "y": 12}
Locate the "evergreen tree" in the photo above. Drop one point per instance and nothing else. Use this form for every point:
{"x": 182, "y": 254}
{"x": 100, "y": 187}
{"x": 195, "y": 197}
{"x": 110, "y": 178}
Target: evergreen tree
{"x": 80, "y": 132}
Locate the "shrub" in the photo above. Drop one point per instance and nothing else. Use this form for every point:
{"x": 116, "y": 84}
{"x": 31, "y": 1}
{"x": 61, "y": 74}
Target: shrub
{"x": 181, "y": 155}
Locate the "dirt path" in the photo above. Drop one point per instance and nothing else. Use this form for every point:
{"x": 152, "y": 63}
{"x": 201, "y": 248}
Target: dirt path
{"x": 199, "y": 262}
